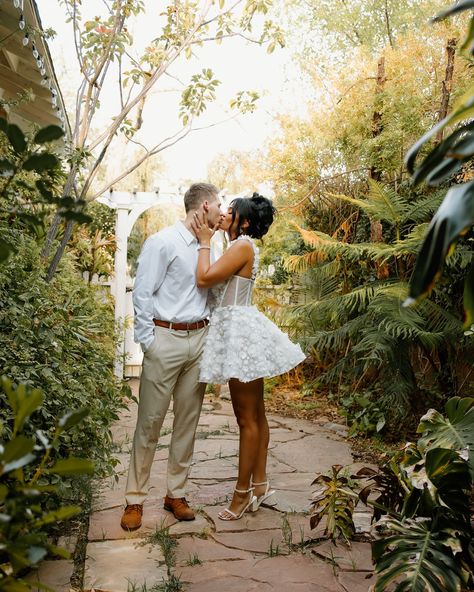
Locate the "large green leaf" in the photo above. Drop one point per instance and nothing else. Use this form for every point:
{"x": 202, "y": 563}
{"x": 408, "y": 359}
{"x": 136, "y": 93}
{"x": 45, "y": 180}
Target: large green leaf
{"x": 48, "y": 134}
{"x": 446, "y": 157}
{"x": 72, "y": 466}
{"x": 463, "y": 109}
{"x": 63, "y": 513}
{"x": 453, "y": 218}
{"x": 454, "y": 9}
{"x": 418, "y": 557}
{"x": 23, "y": 400}
{"x": 41, "y": 162}
{"x": 455, "y": 432}
{"x": 72, "y": 418}
{"x": 16, "y": 137}
{"x": 449, "y": 473}
{"x": 468, "y": 299}
{"x": 16, "y": 453}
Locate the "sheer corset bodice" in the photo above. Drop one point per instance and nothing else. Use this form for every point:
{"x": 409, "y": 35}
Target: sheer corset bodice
{"x": 242, "y": 343}
{"x": 237, "y": 292}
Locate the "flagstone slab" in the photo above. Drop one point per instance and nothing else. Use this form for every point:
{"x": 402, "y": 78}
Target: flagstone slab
{"x": 296, "y": 573}
{"x": 192, "y": 549}
{"x": 356, "y": 581}
{"x": 111, "y": 566}
{"x": 105, "y": 525}
{"x": 55, "y": 574}
{"x": 217, "y": 448}
{"x": 296, "y": 481}
{"x": 317, "y": 452}
{"x": 357, "y": 557}
{"x": 222, "y": 468}
{"x": 290, "y": 501}
{"x": 213, "y": 423}
{"x": 196, "y": 526}
{"x": 279, "y": 434}
{"x": 259, "y": 541}
{"x": 265, "y": 518}
{"x": 229, "y": 584}
{"x": 213, "y": 495}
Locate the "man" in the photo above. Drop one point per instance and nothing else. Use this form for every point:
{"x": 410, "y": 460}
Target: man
{"x": 171, "y": 318}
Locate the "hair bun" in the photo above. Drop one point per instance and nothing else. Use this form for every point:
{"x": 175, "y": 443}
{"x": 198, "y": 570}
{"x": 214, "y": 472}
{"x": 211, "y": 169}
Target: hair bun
{"x": 264, "y": 213}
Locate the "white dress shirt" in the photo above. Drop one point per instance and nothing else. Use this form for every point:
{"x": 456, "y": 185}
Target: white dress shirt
{"x": 165, "y": 285}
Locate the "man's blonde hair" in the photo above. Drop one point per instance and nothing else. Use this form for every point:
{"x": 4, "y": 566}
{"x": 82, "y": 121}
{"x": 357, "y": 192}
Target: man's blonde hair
{"x": 197, "y": 193}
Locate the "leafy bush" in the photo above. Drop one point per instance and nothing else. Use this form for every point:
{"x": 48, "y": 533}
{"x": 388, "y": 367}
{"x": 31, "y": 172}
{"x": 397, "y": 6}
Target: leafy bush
{"x": 30, "y": 475}
{"x": 31, "y": 177}
{"x": 421, "y": 501}
{"x": 60, "y": 337}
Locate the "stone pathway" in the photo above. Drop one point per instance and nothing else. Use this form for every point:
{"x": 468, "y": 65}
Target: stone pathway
{"x": 265, "y": 551}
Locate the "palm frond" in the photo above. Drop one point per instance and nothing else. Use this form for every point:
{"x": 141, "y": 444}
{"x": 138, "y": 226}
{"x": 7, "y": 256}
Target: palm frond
{"x": 331, "y": 248}
{"x": 381, "y": 203}
{"x": 423, "y": 209}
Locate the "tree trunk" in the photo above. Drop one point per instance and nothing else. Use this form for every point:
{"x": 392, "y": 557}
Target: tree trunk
{"x": 53, "y": 229}
{"x": 60, "y": 250}
{"x": 447, "y": 84}
{"x": 377, "y": 126}
{"x": 376, "y": 230}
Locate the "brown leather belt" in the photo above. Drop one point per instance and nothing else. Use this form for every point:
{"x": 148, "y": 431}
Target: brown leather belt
{"x": 181, "y": 326}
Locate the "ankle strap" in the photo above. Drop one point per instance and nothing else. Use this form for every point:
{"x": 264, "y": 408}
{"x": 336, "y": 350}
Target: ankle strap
{"x": 243, "y": 490}
{"x": 263, "y": 483}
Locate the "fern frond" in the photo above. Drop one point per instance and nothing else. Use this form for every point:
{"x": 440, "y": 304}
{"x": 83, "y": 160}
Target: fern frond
{"x": 381, "y": 203}
{"x": 350, "y": 252}
{"x": 424, "y": 208}
{"x": 301, "y": 263}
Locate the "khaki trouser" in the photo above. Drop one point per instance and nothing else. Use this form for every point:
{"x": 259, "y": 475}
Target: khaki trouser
{"x": 170, "y": 368}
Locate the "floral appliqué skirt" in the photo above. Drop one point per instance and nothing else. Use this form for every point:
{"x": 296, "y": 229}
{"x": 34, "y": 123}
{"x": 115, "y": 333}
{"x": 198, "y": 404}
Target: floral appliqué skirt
{"x": 243, "y": 343}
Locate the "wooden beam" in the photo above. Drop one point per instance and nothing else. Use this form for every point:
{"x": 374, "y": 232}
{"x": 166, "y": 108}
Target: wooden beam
{"x": 12, "y": 59}
{"x": 15, "y": 89}
{"x": 32, "y": 112}
{"x": 6, "y": 75}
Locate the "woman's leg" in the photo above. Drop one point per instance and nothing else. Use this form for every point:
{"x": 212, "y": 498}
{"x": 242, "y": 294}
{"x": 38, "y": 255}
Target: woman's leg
{"x": 246, "y": 400}
{"x": 259, "y": 473}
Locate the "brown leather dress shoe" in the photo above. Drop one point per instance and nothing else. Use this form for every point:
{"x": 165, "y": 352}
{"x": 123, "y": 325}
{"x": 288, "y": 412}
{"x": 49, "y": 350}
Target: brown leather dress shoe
{"x": 179, "y": 507}
{"x": 132, "y": 517}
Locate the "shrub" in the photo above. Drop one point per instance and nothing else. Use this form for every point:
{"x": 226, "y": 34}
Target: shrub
{"x": 60, "y": 337}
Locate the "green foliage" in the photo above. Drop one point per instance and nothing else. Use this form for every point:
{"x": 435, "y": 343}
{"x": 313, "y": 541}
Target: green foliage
{"x": 425, "y": 538}
{"x": 60, "y": 337}
{"x": 419, "y": 553}
{"x": 30, "y": 479}
{"x": 363, "y": 415}
{"x": 336, "y": 502}
{"x": 456, "y": 214}
{"x": 456, "y": 431}
{"x": 30, "y": 183}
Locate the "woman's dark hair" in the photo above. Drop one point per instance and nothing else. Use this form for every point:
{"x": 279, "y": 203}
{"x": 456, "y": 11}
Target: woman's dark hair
{"x": 257, "y": 210}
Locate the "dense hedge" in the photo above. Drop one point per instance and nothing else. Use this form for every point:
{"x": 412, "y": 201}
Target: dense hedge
{"x": 59, "y": 336}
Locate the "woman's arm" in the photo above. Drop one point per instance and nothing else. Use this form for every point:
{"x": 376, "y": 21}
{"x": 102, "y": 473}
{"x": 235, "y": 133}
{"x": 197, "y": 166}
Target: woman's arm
{"x": 238, "y": 258}
{"x": 235, "y": 259}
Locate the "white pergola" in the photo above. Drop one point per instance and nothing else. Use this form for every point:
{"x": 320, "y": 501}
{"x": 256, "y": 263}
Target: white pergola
{"x": 129, "y": 207}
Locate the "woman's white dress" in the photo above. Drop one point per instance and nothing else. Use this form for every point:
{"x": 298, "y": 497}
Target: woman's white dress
{"x": 242, "y": 342}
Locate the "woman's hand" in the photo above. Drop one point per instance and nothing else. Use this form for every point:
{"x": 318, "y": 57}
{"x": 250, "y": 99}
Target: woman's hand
{"x": 201, "y": 229}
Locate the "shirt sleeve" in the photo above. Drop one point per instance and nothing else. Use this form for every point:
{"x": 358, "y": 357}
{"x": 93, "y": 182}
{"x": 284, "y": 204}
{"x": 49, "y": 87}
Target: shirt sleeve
{"x": 152, "y": 265}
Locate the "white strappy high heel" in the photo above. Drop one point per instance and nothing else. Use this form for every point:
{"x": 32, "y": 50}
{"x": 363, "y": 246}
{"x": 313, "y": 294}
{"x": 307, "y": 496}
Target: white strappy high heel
{"x": 261, "y": 498}
{"x": 229, "y": 515}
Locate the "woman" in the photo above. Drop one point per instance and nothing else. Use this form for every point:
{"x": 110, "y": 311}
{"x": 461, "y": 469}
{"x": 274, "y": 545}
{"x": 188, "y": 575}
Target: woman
{"x": 242, "y": 346}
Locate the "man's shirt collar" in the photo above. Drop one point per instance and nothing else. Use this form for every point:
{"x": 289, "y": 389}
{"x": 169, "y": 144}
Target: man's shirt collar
{"x": 187, "y": 235}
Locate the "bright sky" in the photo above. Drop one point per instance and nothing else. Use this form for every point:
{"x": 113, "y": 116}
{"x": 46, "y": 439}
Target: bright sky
{"x": 238, "y": 64}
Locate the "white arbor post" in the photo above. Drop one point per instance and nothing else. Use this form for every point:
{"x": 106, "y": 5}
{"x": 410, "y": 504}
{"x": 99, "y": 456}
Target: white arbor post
{"x": 129, "y": 208}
